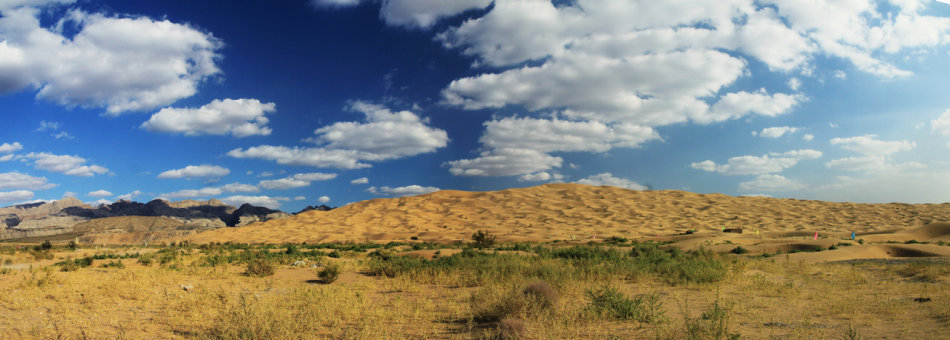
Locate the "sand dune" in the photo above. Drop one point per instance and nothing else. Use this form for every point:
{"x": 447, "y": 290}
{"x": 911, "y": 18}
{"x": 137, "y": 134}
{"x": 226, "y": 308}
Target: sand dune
{"x": 581, "y": 212}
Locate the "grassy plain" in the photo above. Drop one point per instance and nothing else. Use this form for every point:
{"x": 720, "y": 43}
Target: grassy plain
{"x": 613, "y": 288}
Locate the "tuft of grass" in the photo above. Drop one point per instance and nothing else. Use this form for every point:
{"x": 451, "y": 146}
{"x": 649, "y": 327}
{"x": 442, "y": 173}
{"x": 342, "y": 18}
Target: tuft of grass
{"x": 330, "y": 273}
{"x": 541, "y": 294}
{"x": 609, "y": 303}
{"x": 494, "y": 303}
{"x": 715, "y": 323}
{"x": 511, "y": 328}
{"x": 739, "y": 250}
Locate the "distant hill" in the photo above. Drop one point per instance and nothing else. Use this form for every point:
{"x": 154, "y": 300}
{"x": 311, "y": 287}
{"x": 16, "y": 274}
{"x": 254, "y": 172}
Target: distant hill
{"x": 321, "y": 207}
{"x": 64, "y": 216}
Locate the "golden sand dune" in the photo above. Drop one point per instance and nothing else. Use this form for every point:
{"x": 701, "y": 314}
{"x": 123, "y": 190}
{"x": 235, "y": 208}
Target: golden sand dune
{"x": 581, "y": 212}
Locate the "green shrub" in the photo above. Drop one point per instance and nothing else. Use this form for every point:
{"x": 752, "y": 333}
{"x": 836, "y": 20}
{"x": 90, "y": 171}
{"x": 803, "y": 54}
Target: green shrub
{"x": 335, "y": 254}
{"x": 46, "y": 245}
{"x": 330, "y": 272}
{"x": 146, "y": 259}
{"x": 114, "y": 264}
{"x": 675, "y": 266}
{"x": 583, "y": 252}
{"x": 292, "y": 250}
{"x": 739, "y": 250}
{"x": 609, "y": 303}
{"x": 260, "y": 267}
{"x": 483, "y": 239}
{"x": 69, "y": 265}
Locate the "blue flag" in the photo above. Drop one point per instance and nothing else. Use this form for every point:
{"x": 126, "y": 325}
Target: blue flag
{"x": 852, "y": 235}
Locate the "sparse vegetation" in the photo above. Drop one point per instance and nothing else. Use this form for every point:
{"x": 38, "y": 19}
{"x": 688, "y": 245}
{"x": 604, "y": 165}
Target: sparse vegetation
{"x": 517, "y": 290}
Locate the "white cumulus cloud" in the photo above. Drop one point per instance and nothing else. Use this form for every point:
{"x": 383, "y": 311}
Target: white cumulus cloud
{"x": 65, "y": 164}
{"x": 757, "y": 165}
{"x": 295, "y": 181}
{"x": 260, "y": 201}
{"x": 99, "y": 193}
{"x": 869, "y": 145}
{"x": 237, "y": 117}
{"x": 323, "y": 199}
{"x": 209, "y": 191}
{"x": 609, "y": 179}
{"x": 129, "y": 196}
{"x": 10, "y": 147}
{"x": 770, "y": 183}
{"x": 16, "y": 180}
{"x": 122, "y": 63}
{"x": 540, "y": 176}
{"x": 383, "y": 136}
{"x": 16, "y": 195}
{"x": 361, "y": 180}
{"x": 409, "y": 190}
{"x": 940, "y": 125}
{"x": 423, "y": 13}
{"x": 777, "y": 131}
{"x": 504, "y": 162}
{"x": 196, "y": 171}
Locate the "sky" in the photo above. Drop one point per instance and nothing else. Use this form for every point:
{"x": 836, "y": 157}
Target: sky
{"x": 292, "y": 103}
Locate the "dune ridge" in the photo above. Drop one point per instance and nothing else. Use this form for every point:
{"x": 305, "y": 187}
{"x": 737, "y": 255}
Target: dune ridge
{"x": 575, "y": 211}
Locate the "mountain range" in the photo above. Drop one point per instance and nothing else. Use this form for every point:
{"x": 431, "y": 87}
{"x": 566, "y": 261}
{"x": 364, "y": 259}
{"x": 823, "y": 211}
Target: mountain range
{"x": 70, "y": 217}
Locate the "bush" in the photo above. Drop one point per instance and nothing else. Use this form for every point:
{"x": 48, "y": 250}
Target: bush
{"x": 146, "y": 259}
{"x": 483, "y": 239}
{"x": 46, "y": 245}
{"x": 330, "y": 273}
{"x": 72, "y": 265}
{"x": 292, "y": 250}
{"x": 608, "y": 302}
{"x": 114, "y": 264}
{"x": 260, "y": 267}
{"x": 739, "y": 250}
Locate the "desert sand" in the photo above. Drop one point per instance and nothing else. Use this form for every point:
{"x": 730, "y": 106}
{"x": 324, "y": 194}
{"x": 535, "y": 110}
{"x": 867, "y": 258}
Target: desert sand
{"x": 580, "y": 213}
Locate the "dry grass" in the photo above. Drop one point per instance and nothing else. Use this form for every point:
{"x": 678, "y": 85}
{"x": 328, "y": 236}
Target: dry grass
{"x": 756, "y": 298}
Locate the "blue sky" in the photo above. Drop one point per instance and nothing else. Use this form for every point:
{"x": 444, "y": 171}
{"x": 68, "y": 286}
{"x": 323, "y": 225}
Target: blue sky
{"x": 294, "y": 103}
